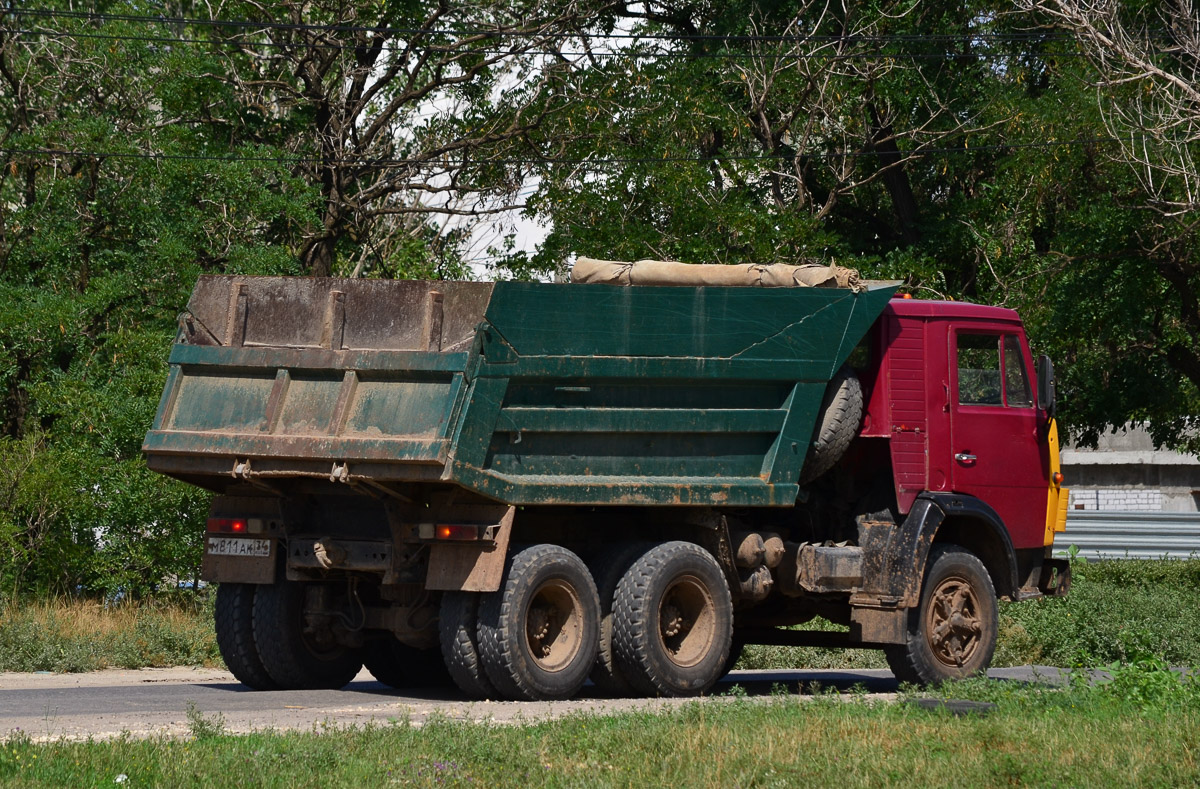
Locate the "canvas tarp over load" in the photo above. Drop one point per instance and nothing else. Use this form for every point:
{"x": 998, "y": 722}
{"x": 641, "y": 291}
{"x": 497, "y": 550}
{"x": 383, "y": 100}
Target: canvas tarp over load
{"x": 663, "y": 272}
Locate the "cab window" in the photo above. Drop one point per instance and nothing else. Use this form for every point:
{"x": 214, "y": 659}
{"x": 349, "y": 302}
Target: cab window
{"x": 979, "y": 369}
{"x": 1016, "y": 381}
{"x": 991, "y": 371}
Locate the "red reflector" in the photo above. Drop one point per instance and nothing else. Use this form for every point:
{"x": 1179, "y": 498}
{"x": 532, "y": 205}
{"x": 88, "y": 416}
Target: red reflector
{"x": 456, "y": 531}
{"x": 1058, "y": 478}
{"x": 227, "y": 525}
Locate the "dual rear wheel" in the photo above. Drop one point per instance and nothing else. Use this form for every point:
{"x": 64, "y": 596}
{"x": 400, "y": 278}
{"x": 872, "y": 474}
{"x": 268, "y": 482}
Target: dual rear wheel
{"x": 267, "y": 643}
{"x": 655, "y": 620}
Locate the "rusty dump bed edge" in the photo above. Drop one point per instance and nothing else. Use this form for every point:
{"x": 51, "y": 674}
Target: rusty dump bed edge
{"x": 527, "y": 393}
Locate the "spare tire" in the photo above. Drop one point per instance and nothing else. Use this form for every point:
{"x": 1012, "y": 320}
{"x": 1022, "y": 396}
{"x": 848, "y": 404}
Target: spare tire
{"x": 837, "y": 425}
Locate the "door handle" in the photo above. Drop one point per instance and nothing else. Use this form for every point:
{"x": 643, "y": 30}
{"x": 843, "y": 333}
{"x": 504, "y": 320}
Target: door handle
{"x": 965, "y": 457}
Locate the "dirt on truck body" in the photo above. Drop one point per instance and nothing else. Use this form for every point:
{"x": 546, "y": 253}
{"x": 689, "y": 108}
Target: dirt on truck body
{"x": 517, "y": 486}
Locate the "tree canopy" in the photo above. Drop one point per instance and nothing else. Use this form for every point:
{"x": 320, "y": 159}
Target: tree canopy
{"x": 1039, "y": 157}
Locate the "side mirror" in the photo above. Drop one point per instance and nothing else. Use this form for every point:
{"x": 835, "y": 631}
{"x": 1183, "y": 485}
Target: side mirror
{"x": 1046, "y": 385}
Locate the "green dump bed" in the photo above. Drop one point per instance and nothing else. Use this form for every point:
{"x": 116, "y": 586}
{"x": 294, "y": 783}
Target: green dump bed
{"x": 528, "y": 393}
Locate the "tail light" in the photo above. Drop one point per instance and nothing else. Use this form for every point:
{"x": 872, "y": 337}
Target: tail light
{"x": 234, "y": 525}
{"x": 455, "y": 532}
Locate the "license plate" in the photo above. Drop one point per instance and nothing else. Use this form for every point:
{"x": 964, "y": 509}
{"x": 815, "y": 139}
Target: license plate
{"x": 237, "y": 546}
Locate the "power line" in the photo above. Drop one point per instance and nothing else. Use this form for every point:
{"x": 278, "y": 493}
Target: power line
{"x": 386, "y": 163}
{"x": 1015, "y": 36}
{"x": 622, "y": 54}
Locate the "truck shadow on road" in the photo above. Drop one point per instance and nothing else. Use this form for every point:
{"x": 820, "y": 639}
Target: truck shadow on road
{"x": 805, "y": 682}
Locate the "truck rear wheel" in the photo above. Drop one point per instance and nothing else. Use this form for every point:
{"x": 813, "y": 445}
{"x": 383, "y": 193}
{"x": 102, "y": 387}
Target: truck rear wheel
{"x": 458, "y": 623}
{"x": 294, "y": 657}
{"x": 234, "y": 621}
{"x": 539, "y": 633}
{"x": 399, "y": 665}
{"x": 673, "y": 621}
{"x": 607, "y": 570}
{"x": 952, "y": 632}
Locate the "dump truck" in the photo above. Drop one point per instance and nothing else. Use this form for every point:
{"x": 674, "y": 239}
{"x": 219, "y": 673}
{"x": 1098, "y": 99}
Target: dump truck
{"x": 515, "y": 487}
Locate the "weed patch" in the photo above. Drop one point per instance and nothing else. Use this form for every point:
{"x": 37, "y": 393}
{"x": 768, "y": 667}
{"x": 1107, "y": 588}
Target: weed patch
{"x": 72, "y": 635}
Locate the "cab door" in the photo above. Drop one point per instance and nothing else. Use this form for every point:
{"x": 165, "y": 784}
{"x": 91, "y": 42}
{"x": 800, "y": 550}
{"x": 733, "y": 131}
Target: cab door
{"x": 995, "y": 444}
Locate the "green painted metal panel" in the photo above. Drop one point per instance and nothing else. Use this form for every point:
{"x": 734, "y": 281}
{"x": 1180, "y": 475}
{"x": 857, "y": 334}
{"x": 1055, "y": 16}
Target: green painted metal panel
{"x": 316, "y": 358}
{"x": 650, "y": 369}
{"x": 308, "y": 407}
{"x": 641, "y": 420}
{"x": 222, "y": 400}
{"x": 395, "y": 408}
{"x": 639, "y": 456}
{"x": 667, "y": 491}
{"x": 334, "y": 448}
{"x": 656, "y": 395}
{"x": 570, "y": 393}
{"x": 539, "y": 319}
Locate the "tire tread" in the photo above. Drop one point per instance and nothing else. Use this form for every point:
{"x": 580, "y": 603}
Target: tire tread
{"x": 233, "y": 616}
{"x": 633, "y": 620}
{"x": 280, "y": 643}
{"x": 908, "y": 661}
{"x": 500, "y": 625}
{"x": 458, "y": 633}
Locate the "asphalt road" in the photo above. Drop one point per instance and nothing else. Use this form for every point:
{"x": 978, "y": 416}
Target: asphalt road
{"x": 151, "y": 702}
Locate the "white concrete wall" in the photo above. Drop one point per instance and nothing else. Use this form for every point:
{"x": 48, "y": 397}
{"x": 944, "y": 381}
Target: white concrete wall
{"x": 1125, "y": 473}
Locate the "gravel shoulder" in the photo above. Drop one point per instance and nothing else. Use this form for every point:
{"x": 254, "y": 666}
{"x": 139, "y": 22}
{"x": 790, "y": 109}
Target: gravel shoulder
{"x": 156, "y": 702}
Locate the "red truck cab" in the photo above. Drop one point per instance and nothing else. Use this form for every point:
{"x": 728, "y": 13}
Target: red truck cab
{"x": 955, "y": 393}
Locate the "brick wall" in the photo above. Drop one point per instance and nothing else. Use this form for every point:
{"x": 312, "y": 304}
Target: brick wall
{"x": 1129, "y": 499}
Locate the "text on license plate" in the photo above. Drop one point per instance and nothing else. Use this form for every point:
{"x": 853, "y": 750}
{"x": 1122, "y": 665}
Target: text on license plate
{"x": 237, "y": 546}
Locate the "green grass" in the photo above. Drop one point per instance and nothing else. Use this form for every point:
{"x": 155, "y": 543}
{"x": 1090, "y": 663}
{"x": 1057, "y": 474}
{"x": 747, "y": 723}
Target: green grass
{"x": 1074, "y": 737}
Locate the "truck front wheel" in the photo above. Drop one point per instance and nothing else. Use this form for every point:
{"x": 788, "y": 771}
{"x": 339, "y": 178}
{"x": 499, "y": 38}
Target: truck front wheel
{"x": 539, "y": 633}
{"x": 295, "y": 656}
{"x": 673, "y": 621}
{"x": 952, "y": 632}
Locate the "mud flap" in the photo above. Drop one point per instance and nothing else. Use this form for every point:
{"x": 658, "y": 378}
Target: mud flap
{"x": 476, "y": 566}
{"x": 878, "y": 625}
{"x": 1055, "y": 578}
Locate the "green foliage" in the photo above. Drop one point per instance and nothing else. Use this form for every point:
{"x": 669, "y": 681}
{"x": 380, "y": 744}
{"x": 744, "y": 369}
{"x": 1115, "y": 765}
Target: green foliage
{"x": 97, "y": 257}
{"x": 1148, "y": 681}
{"x": 1117, "y": 611}
{"x": 971, "y": 164}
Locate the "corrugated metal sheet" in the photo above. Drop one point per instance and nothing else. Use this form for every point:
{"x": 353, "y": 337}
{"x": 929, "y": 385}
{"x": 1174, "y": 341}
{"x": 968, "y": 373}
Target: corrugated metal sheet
{"x": 1131, "y": 535}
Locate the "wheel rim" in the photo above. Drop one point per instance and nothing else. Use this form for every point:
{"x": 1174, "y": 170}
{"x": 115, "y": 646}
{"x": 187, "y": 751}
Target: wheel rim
{"x": 554, "y": 626}
{"x": 686, "y": 621}
{"x": 953, "y": 626}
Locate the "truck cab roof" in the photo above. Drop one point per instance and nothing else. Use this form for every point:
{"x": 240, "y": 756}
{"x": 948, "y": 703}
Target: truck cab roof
{"x": 925, "y": 308}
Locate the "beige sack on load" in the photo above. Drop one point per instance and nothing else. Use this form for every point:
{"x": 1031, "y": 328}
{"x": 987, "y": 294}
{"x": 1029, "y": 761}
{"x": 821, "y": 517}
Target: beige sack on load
{"x": 663, "y": 272}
